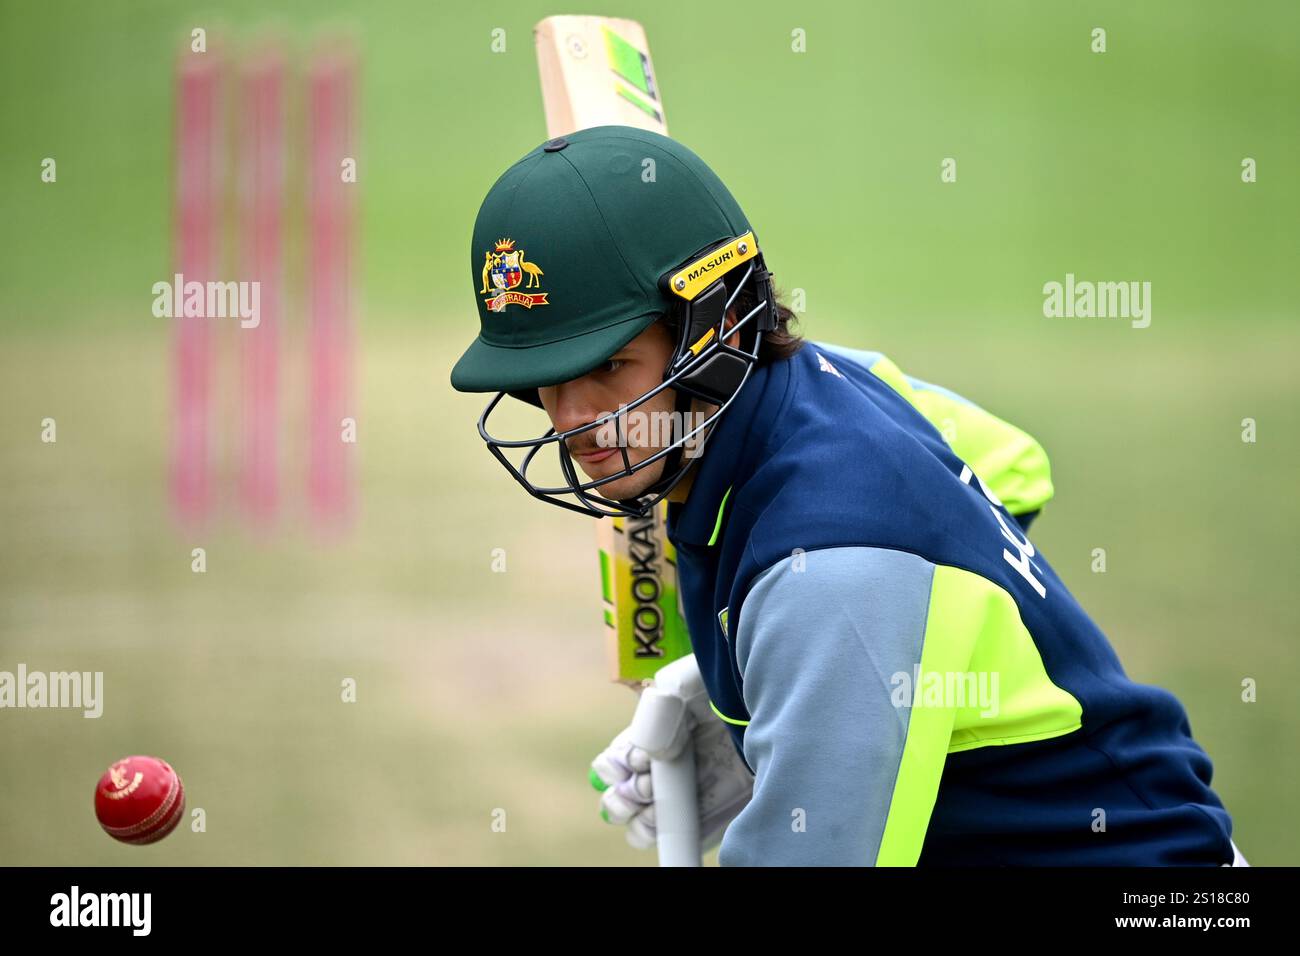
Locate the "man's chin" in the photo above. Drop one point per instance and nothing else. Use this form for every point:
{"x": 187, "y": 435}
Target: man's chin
{"x": 632, "y": 486}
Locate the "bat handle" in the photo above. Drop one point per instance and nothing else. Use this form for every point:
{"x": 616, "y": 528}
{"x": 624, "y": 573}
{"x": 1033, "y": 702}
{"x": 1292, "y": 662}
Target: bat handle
{"x": 662, "y": 725}
{"x": 677, "y": 816}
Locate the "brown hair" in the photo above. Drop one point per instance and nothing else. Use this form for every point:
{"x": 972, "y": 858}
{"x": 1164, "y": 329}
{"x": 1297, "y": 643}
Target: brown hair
{"x": 782, "y": 342}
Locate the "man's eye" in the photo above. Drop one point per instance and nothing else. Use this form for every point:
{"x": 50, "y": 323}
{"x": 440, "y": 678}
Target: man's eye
{"x": 612, "y": 365}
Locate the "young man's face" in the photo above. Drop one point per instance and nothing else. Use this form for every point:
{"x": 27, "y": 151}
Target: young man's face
{"x": 628, "y": 374}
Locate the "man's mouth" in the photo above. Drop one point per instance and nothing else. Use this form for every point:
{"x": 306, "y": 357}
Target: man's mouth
{"x": 595, "y": 455}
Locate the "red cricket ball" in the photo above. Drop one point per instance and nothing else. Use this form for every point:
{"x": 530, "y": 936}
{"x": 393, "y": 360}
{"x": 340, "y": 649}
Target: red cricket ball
{"x": 139, "y": 800}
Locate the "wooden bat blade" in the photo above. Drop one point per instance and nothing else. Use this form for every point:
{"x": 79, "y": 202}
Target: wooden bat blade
{"x": 644, "y": 626}
{"x": 596, "y": 71}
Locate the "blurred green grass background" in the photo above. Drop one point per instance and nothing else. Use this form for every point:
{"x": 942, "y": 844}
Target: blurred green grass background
{"x": 481, "y": 692}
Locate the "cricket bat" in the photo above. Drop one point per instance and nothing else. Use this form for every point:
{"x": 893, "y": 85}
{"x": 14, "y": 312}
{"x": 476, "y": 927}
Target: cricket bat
{"x": 596, "y": 71}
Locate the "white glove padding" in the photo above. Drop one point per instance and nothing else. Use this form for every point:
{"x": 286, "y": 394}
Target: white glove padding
{"x": 724, "y": 784}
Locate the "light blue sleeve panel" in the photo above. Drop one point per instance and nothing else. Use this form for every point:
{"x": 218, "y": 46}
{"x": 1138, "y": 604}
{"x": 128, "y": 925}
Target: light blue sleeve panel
{"x": 818, "y": 650}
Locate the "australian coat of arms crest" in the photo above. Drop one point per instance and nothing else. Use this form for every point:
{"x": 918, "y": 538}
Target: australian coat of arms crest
{"x": 503, "y": 270}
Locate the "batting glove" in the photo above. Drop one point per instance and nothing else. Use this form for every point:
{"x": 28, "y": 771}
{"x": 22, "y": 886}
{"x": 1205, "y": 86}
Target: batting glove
{"x": 724, "y": 785}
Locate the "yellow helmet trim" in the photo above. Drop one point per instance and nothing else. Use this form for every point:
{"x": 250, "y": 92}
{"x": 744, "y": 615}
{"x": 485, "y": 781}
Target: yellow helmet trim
{"x": 693, "y": 278}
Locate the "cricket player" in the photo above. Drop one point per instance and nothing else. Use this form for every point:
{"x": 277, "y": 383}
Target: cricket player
{"x": 901, "y": 675}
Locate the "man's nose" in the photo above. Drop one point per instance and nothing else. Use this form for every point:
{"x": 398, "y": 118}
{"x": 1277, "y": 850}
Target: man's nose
{"x": 574, "y": 406}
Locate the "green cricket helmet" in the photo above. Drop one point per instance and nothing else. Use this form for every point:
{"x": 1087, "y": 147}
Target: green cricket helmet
{"x": 577, "y": 248}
